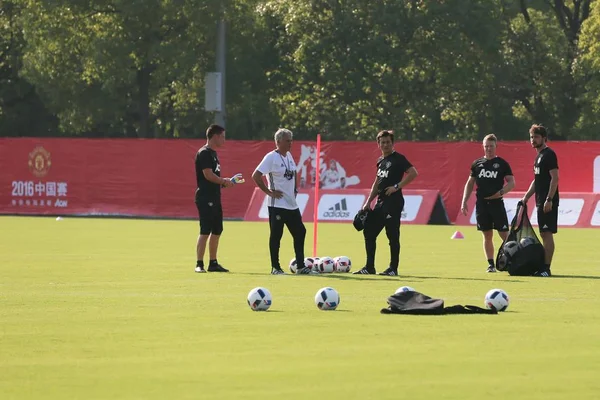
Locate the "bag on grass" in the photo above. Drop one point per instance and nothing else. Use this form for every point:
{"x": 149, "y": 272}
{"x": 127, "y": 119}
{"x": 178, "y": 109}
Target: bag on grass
{"x": 522, "y": 253}
{"x": 415, "y": 303}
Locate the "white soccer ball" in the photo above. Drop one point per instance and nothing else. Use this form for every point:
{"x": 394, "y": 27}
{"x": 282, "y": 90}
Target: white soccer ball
{"x": 308, "y": 262}
{"x": 526, "y": 241}
{"x": 405, "y": 289}
{"x": 510, "y": 248}
{"x": 293, "y": 265}
{"x": 259, "y": 299}
{"x": 342, "y": 264}
{"x": 327, "y": 299}
{"x": 315, "y": 266}
{"x": 325, "y": 265}
{"x": 496, "y": 299}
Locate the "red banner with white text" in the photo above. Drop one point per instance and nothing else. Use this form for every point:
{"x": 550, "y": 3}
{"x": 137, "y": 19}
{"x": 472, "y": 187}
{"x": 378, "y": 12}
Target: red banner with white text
{"x": 338, "y": 205}
{"x": 155, "y": 177}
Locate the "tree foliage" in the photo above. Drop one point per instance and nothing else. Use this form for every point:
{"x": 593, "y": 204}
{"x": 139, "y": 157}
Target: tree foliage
{"x": 22, "y": 112}
{"x": 429, "y": 69}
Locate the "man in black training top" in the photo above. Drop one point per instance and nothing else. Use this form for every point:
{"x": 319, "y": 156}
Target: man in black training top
{"x": 208, "y": 198}
{"x": 387, "y": 187}
{"x": 489, "y": 173}
{"x": 545, "y": 187}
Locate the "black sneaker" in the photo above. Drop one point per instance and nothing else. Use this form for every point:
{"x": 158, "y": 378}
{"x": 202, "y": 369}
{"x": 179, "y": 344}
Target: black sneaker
{"x": 216, "y": 268}
{"x": 199, "y": 269}
{"x": 365, "y": 271}
{"x": 545, "y": 273}
{"x": 277, "y": 271}
{"x": 491, "y": 268}
{"x": 390, "y": 272}
{"x": 304, "y": 271}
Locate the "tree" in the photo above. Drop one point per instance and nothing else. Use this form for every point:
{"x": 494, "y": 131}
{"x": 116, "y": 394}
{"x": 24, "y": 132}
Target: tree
{"x": 250, "y": 55}
{"x": 541, "y": 49}
{"x": 587, "y": 72}
{"x": 127, "y": 67}
{"x": 18, "y": 99}
{"x": 431, "y": 70}
{"x": 427, "y": 69}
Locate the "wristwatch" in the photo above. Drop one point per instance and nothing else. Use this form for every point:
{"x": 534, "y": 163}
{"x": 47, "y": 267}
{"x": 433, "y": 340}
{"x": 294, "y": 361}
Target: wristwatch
{"x": 501, "y": 192}
{"x": 396, "y": 186}
{"x": 549, "y": 199}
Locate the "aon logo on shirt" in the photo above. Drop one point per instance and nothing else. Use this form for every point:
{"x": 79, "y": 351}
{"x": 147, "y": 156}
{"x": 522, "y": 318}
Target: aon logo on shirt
{"x": 536, "y": 170}
{"x": 382, "y": 174}
{"x": 488, "y": 174}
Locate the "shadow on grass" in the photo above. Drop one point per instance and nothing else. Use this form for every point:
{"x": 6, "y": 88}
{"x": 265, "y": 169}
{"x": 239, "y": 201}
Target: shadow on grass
{"x": 410, "y": 278}
{"x": 574, "y": 276}
{"x": 401, "y": 278}
{"x": 441, "y": 315}
{"x": 491, "y": 278}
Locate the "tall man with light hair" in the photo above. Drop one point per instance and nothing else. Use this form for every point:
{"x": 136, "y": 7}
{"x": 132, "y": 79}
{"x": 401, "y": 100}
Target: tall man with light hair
{"x": 489, "y": 173}
{"x": 545, "y": 187}
{"x": 280, "y": 170}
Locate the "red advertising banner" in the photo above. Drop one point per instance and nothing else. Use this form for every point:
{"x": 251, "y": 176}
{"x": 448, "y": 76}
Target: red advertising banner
{"x": 337, "y": 205}
{"x": 155, "y": 177}
{"x": 581, "y": 210}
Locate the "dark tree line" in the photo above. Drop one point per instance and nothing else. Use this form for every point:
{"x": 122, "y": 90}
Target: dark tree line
{"x": 430, "y": 69}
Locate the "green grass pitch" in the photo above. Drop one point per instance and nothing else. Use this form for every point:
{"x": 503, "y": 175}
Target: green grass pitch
{"x": 111, "y": 309}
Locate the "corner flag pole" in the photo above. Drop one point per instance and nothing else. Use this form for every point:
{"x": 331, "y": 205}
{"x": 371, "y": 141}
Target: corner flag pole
{"x": 316, "y": 204}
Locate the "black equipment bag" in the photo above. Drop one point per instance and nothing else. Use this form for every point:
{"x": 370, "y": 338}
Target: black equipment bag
{"x": 522, "y": 253}
{"x": 415, "y": 303}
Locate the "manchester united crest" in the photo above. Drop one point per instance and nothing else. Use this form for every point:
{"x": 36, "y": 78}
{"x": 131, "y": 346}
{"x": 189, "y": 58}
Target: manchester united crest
{"x": 39, "y": 161}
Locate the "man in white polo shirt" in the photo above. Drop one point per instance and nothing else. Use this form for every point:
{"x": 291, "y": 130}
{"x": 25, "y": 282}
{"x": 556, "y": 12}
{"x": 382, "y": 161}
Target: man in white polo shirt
{"x": 280, "y": 170}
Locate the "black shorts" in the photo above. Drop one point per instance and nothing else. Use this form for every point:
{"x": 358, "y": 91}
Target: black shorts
{"x": 211, "y": 216}
{"x": 384, "y": 215}
{"x": 491, "y": 214}
{"x": 548, "y": 222}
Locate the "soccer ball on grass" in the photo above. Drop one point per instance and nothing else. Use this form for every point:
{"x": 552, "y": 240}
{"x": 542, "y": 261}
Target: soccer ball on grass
{"x": 325, "y": 265}
{"x": 327, "y": 298}
{"x": 496, "y": 299}
{"x": 404, "y": 289}
{"x": 342, "y": 264}
{"x": 308, "y": 262}
{"x": 259, "y": 299}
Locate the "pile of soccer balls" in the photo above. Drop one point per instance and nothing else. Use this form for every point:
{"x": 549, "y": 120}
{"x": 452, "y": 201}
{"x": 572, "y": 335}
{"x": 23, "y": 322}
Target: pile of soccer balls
{"x": 324, "y": 265}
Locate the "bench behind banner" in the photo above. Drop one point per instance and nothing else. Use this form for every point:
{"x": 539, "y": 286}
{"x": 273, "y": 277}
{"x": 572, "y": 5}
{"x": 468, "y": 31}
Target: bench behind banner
{"x": 340, "y": 205}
